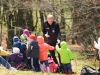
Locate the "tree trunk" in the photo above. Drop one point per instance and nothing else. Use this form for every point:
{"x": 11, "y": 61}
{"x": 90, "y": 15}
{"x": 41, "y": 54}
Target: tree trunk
{"x": 85, "y": 23}
{"x": 41, "y": 18}
{"x": 29, "y": 20}
{"x": 10, "y": 32}
{"x": 62, "y": 26}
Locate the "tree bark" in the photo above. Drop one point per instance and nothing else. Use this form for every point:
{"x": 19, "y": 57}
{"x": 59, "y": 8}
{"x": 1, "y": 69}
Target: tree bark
{"x": 10, "y": 32}
{"x": 62, "y": 25}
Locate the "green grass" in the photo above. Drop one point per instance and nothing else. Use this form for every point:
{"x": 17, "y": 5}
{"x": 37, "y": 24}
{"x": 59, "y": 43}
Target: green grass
{"x": 33, "y": 73}
{"x": 79, "y": 60}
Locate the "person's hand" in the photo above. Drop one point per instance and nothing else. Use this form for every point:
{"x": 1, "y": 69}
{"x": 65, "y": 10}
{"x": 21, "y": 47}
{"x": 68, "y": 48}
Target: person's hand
{"x": 58, "y": 41}
{"x": 47, "y": 35}
{"x": 28, "y": 57}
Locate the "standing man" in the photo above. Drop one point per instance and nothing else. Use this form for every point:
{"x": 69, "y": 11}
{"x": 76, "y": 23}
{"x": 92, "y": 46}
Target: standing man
{"x": 51, "y": 32}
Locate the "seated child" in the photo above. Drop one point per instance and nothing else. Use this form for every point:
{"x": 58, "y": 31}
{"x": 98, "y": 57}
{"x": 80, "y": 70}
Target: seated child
{"x": 33, "y": 53}
{"x": 43, "y": 53}
{"x": 25, "y": 37}
{"x": 16, "y": 58}
{"x": 20, "y": 45}
{"x": 66, "y": 57}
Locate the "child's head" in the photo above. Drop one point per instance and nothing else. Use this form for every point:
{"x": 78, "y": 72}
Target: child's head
{"x": 15, "y": 39}
{"x": 26, "y": 31}
{"x": 23, "y": 38}
{"x": 32, "y": 37}
{"x": 63, "y": 44}
{"x": 16, "y": 50}
{"x": 40, "y": 39}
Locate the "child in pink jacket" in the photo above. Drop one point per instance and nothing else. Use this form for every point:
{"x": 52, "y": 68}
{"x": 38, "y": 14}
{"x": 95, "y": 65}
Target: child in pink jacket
{"x": 43, "y": 53}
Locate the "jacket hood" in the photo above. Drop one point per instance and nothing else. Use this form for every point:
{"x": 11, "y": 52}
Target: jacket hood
{"x": 40, "y": 39}
{"x": 15, "y": 39}
{"x": 23, "y": 37}
{"x": 26, "y": 31}
{"x": 16, "y": 50}
{"x": 63, "y": 45}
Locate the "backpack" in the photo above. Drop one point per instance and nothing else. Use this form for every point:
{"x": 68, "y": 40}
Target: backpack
{"x": 35, "y": 45}
{"x": 23, "y": 47}
{"x": 34, "y": 50}
{"x": 87, "y": 70}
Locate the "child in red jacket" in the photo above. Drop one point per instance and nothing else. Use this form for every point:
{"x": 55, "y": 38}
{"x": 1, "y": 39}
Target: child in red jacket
{"x": 43, "y": 53}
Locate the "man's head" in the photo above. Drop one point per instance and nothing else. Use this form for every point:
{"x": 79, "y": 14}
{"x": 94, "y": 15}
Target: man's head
{"x": 50, "y": 19}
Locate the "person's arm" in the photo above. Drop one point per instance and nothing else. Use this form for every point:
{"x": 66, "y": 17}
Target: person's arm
{"x": 49, "y": 47}
{"x": 70, "y": 54}
{"x": 20, "y": 56}
{"x": 57, "y": 47}
{"x": 4, "y": 53}
{"x": 24, "y": 47}
{"x": 45, "y": 33}
{"x": 59, "y": 34}
{"x": 29, "y": 51}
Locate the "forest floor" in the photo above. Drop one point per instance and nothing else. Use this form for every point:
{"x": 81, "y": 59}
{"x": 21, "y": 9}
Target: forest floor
{"x": 79, "y": 60}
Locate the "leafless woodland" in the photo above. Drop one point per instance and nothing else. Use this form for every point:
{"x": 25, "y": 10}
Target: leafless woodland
{"x": 78, "y": 19}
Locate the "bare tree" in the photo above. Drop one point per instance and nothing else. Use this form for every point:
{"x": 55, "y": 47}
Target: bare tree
{"x": 85, "y": 20}
{"x": 31, "y": 14}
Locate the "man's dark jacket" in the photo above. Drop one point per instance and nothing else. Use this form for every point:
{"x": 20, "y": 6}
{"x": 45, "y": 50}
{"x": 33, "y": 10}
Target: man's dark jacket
{"x": 53, "y": 31}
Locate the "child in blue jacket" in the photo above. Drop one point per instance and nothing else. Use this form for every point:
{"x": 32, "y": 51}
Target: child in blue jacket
{"x": 20, "y": 45}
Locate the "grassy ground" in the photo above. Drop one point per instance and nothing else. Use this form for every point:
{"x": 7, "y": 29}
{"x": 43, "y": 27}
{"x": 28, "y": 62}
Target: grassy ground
{"x": 79, "y": 60}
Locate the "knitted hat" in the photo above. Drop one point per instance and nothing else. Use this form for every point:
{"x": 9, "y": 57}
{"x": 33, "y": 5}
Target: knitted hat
{"x": 26, "y": 31}
{"x": 32, "y": 36}
{"x": 16, "y": 50}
